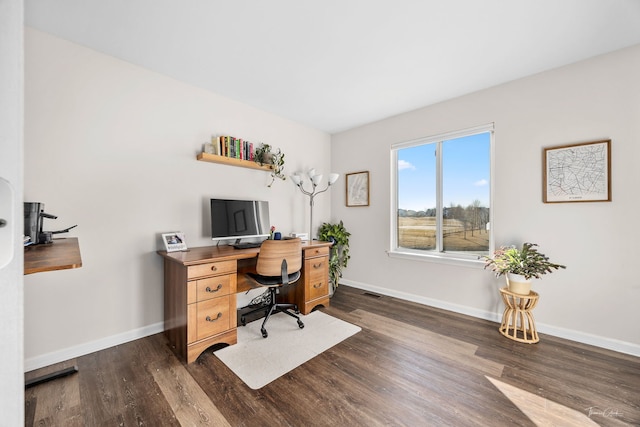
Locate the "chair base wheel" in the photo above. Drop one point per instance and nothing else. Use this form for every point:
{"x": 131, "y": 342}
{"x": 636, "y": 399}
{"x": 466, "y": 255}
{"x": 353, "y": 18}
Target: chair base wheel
{"x": 243, "y": 321}
{"x": 264, "y": 333}
{"x": 300, "y": 324}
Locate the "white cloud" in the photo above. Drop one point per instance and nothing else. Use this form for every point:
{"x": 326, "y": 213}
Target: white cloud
{"x": 403, "y": 164}
{"x": 481, "y": 183}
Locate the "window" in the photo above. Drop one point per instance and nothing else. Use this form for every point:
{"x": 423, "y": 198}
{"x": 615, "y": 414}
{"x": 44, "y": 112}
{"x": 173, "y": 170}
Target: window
{"x": 441, "y": 195}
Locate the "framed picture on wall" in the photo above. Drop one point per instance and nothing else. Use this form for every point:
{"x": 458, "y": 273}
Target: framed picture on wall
{"x": 358, "y": 188}
{"x": 174, "y": 242}
{"x": 578, "y": 173}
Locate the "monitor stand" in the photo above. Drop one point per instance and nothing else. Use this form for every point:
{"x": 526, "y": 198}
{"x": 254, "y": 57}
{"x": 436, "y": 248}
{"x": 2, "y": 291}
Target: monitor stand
{"x": 246, "y": 245}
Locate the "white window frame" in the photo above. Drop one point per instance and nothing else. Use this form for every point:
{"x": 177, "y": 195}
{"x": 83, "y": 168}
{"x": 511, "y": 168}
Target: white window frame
{"x": 457, "y": 258}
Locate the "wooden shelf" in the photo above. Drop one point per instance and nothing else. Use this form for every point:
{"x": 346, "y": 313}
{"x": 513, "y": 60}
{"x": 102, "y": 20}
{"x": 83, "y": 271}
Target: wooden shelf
{"x": 61, "y": 254}
{"x": 214, "y": 158}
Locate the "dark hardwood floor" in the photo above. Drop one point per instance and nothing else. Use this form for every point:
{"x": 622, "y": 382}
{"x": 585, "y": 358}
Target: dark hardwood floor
{"x": 410, "y": 365}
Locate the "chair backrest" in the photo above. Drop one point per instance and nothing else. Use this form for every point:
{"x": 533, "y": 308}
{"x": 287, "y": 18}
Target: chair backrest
{"x": 272, "y": 252}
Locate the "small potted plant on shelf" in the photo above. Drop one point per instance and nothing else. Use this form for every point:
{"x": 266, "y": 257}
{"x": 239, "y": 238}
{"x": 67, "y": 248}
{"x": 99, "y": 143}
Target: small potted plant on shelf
{"x": 339, "y": 256}
{"x": 264, "y": 155}
{"x": 520, "y": 266}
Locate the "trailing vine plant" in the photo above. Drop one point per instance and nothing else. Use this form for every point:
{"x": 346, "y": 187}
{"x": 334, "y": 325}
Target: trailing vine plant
{"x": 264, "y": 156}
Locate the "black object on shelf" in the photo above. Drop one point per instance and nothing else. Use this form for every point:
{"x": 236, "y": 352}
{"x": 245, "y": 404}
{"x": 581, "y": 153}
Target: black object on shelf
{"x": 33, "y": 220}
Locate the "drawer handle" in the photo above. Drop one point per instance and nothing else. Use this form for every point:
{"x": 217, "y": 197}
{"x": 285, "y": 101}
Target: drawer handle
{"x": 214, "y": 268}
{"x": 317, "y": 265}
{"x": 208, "y": 289}
{"x": 318, "y": 285}
{"x": 209, "y": 319}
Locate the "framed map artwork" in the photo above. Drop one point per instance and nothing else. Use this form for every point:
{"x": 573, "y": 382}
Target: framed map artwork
{"x": 357, "y": 186}
{"x": 578, "y": 173}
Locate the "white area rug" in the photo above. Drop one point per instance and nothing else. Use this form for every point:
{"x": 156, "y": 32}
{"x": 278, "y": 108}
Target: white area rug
{"x": 258, "y": 361}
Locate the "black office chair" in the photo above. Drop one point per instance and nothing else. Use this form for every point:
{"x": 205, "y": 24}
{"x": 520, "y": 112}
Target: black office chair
{"x": 279, "y": 264}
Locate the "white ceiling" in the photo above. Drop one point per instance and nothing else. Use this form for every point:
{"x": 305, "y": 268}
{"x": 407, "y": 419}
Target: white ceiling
{"x": 338, "y": 64}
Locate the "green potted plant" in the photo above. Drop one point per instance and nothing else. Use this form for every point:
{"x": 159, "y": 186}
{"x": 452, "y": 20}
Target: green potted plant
{"x": 264, "y": 155}
{"x": 520, "y": 265}
{"x": 339, "y": 255}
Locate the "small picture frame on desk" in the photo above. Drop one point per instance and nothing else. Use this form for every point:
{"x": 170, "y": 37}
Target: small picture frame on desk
{"x": 174, "y": 242}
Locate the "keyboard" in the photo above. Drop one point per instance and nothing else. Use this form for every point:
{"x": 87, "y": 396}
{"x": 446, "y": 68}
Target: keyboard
{"x": 247, "y": 245}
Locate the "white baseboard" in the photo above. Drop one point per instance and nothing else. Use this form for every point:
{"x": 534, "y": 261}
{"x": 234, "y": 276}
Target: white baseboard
{"x": 101, "y": 344}
{"x": 581, "y": 337}
{"x": 90, "y": 347}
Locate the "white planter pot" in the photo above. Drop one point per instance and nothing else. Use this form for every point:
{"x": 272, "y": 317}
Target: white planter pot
{"x": 518, "y": 284}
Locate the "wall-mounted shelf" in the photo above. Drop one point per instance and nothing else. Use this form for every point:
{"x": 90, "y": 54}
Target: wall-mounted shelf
{"x": 214, "y": 158}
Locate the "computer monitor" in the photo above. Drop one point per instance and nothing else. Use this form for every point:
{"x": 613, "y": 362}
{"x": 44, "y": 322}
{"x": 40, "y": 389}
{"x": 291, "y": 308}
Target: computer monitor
{"x": 239, "y": 219}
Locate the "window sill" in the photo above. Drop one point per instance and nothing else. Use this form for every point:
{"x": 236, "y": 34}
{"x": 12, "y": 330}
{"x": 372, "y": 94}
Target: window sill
{"x": 450, "y": 259}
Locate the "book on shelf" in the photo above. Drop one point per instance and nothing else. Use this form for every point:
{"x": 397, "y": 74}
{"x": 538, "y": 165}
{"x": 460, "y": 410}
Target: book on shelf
{"x": 230, "y": 146}
{"x": 221, "y": 145}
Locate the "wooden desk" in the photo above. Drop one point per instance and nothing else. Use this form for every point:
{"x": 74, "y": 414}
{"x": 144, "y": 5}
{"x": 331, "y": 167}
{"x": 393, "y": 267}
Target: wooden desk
{"x": 200, "y": 287}
{"x": 61, "y": 254}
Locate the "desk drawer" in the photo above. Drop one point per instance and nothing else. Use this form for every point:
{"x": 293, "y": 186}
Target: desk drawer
{"x": 316, "y": 278}
{"x": 211, "y": 269}
{"x": 316, "y": 252}
{"x": 213, "y": 287}
{"x": 212, "y": 317}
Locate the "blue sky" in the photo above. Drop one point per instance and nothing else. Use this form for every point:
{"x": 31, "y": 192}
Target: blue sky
{"x": 466, "y": 173}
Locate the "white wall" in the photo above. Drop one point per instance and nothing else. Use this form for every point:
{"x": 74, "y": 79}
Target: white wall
{"x": 595, "y": 299}
{"x": 111, "y": 147}
{"x": 11, "y": 283}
